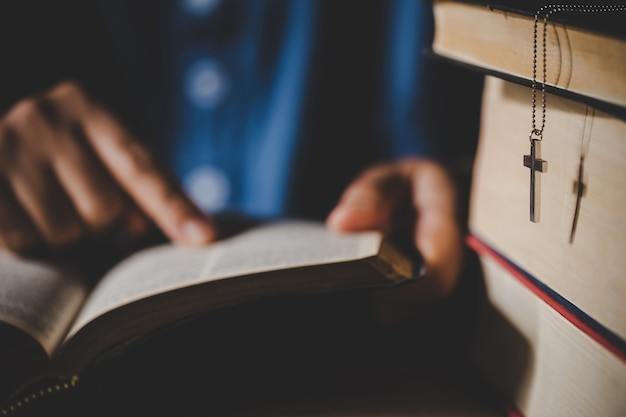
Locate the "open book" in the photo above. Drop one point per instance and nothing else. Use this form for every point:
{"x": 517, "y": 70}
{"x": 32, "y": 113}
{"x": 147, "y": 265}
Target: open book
{"x": 52, "y": 317}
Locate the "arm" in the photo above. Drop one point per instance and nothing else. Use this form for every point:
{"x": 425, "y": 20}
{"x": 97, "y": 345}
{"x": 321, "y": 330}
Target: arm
{"x": 69, "y": 170}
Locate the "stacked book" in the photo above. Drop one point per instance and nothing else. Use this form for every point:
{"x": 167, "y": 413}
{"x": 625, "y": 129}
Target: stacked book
{"x": 547, "y": 216}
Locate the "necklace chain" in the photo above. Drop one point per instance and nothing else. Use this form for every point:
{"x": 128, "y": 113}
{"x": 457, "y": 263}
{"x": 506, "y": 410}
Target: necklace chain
{"x": 546, "y": 11}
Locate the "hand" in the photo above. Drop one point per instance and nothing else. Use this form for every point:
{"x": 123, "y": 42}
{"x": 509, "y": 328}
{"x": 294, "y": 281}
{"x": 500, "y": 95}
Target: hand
{"x": 379, "y": 198}
{"x": 69, "y": 170}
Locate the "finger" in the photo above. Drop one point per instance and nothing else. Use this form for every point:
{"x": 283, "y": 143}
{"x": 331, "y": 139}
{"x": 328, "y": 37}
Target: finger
{"x": 32, "y": 181}
{"x": 370, "y": 201}
{"x": 17, "y": 232}
{"x": 133, "y": 168}
{"x": 47, "y": 205}
{"x": 97, "y": 199}
{"x": 155, "y": 193}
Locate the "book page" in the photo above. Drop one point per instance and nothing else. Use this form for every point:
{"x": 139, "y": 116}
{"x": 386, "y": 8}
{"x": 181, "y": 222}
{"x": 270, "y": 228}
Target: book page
{"x": 288, "y": 245}
{"x": 39, "y": 299}
{"x": 270, "y": 247}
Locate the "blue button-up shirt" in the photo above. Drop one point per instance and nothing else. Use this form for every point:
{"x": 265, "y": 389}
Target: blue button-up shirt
{"x": 269, "y": 107}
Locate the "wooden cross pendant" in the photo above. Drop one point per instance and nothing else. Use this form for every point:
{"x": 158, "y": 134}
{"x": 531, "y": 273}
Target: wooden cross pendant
{"x": 536, "y": 164}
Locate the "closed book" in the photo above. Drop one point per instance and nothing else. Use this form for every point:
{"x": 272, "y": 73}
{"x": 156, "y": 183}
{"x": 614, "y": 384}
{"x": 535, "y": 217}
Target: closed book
{"x": 552, "y": 337}
{"x": 585, "y": 48}
{"x": 577, "y": 248}
{"x": 542, "y": 354}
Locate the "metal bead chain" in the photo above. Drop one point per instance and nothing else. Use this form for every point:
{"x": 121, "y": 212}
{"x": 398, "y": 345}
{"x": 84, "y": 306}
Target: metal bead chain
{"x": 546, "y": 11}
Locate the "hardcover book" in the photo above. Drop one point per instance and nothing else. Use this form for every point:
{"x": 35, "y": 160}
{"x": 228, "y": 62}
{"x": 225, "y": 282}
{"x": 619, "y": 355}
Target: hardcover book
{"x": 541, "y": 352}
{"x": 552, "y": 335}
{"x": 577, "y": 248}
{"x": 585, "y": 47}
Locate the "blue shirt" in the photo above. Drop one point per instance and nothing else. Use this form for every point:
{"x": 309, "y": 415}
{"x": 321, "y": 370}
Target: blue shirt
{"x": 268, "y": 107}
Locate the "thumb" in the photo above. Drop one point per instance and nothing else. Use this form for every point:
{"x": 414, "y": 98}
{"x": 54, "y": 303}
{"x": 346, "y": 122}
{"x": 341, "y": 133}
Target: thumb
{"x": 370, "y": 201}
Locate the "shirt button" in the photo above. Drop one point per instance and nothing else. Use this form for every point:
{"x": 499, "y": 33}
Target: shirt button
{"x": 208, "y": 187}
{"x": 200, "y": 7}
{"x": 205, "y": 84}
